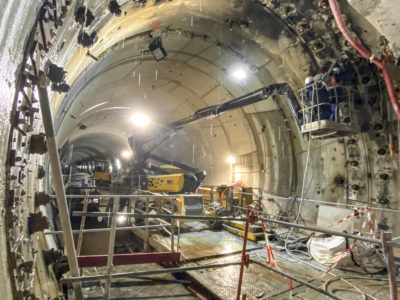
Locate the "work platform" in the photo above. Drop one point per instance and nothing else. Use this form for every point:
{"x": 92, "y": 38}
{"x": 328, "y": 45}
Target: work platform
{"x": 205, "y": 247}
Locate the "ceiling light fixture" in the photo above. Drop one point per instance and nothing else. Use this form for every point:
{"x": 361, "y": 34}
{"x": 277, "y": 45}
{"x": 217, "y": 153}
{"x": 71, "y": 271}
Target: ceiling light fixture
{"x": 140, "y": 120}
{"x": 156, "y": 48}
{"x": 239, "y": 74}
{"x": 231, "y": 160}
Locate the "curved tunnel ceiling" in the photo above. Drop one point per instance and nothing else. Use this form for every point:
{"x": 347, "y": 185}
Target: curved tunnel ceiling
{"x": 205, "y": 44}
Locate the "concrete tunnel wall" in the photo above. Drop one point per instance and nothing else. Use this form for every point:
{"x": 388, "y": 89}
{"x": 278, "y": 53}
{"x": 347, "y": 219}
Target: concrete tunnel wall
{"x": 270, "y": 152}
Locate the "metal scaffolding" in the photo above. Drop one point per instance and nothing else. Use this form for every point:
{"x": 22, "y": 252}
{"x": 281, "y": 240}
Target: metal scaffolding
{"x": 386, "y": 242}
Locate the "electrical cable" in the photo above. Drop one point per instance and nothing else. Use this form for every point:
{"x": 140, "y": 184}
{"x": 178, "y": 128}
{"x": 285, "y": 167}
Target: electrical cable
{"x": 300, "y": 205}
{"x": 343, "y": 278}
{"x": 367, "y": 54}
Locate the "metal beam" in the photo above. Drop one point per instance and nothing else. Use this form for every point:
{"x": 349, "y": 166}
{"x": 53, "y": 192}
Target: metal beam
{"x": 58, "y": 183}
{"x": 107, "y": 229}
{"x": 316, "y": 229}
{"x": 80, "y": 237}
{"x": 128, "y": 259}
{"x": 111, "y": 243}
{"x": 151, "y": 216}
{"x": 388, "y": 251}
{"x": 112, "y": 196}
{"x": 146, "y": 273}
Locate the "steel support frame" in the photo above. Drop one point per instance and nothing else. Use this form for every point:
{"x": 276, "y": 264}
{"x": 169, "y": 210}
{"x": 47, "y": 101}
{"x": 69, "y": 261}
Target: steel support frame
{"x": 58, "y": 182}
{"x": 146, "y": 273}
{"x": 316, "y": 229}
{"x": 105, "y": 229}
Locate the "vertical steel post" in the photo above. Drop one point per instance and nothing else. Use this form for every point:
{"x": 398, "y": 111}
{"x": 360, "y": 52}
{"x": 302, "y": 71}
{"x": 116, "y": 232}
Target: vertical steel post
{"x": 111, "y": 243}
{"x": 172, "y": 226}
{"x": 179, "y": 223}
{"x": 246, "y": 230}
{"x": 83, "y": 218}
{"x": 58, "y": 183}
{"x": 388, "y": 251}
{"x": 146, "y": 223}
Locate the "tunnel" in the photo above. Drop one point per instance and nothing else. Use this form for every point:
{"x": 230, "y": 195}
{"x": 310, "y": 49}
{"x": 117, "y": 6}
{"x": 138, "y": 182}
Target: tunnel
{"x": 263, "y": 101}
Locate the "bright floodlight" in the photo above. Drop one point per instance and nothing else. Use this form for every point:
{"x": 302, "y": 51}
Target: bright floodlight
{"x": 230, "y": 160}
{"x": 121, "y": 219}
{"x": 140, "y": 120}
{"x": 126, "y": 154}
{"x": 239, "y": 74}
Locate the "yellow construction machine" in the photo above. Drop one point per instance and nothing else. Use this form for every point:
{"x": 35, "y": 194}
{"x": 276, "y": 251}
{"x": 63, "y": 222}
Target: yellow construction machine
{"x": 101, "y": 173}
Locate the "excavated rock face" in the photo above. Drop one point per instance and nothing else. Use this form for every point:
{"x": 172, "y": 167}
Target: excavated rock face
{"x": 96, "y": 53}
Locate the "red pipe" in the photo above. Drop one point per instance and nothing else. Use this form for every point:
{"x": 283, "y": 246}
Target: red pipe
{"x": 367, "y": 54}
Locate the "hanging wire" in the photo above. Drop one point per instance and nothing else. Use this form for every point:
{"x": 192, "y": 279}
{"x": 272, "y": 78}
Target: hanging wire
{"x": 308, "y": 256}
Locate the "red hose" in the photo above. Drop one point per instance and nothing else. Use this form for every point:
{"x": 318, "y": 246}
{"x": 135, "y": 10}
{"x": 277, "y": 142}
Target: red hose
{"x": 364, "y": 52}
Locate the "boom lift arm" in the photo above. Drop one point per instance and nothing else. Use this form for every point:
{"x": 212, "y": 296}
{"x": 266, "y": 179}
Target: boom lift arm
{"x": 250, "y": 98}
{"x": 142, "y": 148}
{"x": 149, "y": 144}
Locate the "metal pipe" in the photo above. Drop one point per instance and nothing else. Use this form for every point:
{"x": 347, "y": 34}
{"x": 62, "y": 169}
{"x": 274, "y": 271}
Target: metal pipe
{"x": 111, "y": 243}
{"x": 266, "y": 195}
{"x": 146, "y": 273}
{"x": 179, "y": 223}
{"x": 121, "y": 196}
{"x": 172, "y": 227}
{"x": 301, "y": 281}
{"x": 129, "y": 259}
{"x": 107, "y": 229}
{"x": 146, "y": 231}
{"x": 85, "y": 205}
{"x": 151, "y": 216}
{"x": 185, "y": 261}
{"x": 58, "y": 182}
{"x": 243, "y": 259}
{"x": 388, "y": 251}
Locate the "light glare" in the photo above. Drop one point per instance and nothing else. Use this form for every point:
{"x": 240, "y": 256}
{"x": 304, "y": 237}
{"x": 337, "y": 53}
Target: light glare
{"x": 239, "y": 74}
{"x": 121, "y": 219}
{"x": 126, "y": 154}
{"x": 140, "y": 120}
{"x": 230, "y": 160}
